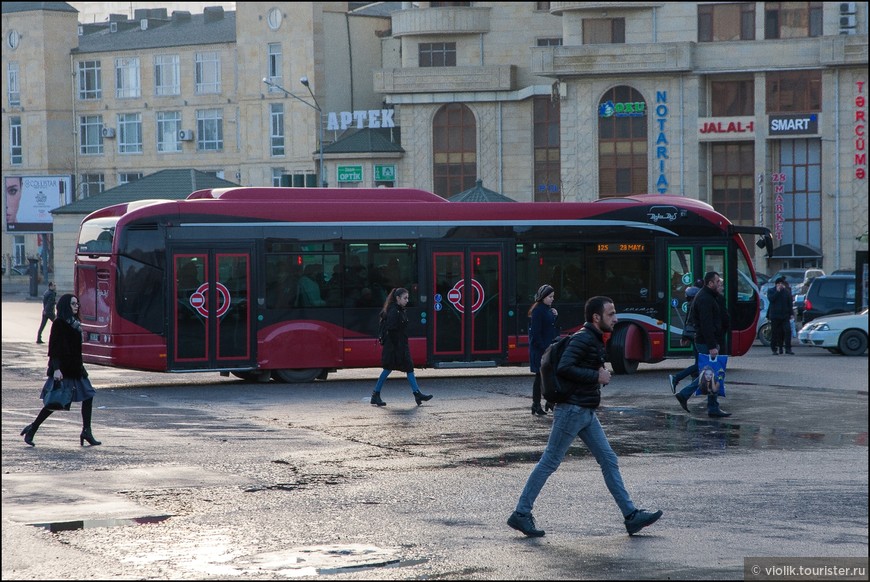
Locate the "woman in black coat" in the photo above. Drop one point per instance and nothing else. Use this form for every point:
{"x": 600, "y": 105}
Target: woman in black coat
{"x": 542, "y": 332}
{"x": 65, "y": 365}
{"x": 396, "y": 354}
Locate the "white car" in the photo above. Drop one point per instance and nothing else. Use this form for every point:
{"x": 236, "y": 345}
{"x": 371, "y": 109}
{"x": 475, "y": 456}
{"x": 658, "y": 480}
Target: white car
{"x": 839, "y": 334}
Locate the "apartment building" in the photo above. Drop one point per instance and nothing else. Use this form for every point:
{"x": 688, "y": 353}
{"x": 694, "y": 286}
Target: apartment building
{"x": 758, "y": 108}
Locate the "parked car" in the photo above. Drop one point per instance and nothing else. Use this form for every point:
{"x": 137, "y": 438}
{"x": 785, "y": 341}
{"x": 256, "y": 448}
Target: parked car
{"x": 794, "y": 277}
{"x": 839, "y": 334}
{"x": 829, "y": 295}
{"x": 798, "y": 306}
{"x": 804, "y": 285}
{"x": 764, "y": 331}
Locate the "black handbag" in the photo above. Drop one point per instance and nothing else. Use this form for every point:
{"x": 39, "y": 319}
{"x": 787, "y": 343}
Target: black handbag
{"x": 58, "y": 396}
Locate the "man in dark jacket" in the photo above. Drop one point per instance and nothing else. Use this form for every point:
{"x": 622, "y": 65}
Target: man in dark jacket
{"x": 581, "y": 369}
{"x": 49, "y": 300}
{"x": 711, "y": 323}
{"x": 779, "y": 311}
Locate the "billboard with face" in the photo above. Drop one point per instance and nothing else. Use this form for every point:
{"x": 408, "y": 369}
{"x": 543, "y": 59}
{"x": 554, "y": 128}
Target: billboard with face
{"x": 30, "y": 200}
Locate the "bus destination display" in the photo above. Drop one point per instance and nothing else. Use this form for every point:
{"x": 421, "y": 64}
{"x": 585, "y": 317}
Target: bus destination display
{"x": 620, "y": 247}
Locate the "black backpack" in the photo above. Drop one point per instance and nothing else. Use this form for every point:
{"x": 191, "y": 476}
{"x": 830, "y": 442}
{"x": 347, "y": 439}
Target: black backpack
{"x": 382, "y": 330}
{"x": 550, "y": 386}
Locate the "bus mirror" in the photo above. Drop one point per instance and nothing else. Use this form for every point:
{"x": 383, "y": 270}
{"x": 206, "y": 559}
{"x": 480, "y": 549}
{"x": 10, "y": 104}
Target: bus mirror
{"x": 760, "y": 243}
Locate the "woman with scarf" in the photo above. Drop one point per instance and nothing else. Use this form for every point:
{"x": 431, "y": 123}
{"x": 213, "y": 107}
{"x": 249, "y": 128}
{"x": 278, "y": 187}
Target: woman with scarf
{"x": 65, "y": 365}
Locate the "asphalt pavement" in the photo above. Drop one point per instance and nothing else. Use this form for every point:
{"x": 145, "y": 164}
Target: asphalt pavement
{"x": 203, "y": 477}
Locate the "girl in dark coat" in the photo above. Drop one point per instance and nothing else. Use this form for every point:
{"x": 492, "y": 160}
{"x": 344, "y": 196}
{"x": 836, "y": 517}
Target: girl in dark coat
{"x": 65, "y": 365}
{"x": 396, "y": 354}
{"x": 542, "y": 332}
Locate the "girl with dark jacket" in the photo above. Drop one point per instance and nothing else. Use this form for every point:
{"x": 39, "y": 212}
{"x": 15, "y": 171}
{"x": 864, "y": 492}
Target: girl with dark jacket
{"x": 65, "y": 365}
{"x": 542, "y": 332}
{"x": 396, "y": 354}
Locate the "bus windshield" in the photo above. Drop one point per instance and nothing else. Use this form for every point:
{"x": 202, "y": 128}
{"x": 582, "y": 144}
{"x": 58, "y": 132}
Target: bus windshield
{"x": 96, "y": 236}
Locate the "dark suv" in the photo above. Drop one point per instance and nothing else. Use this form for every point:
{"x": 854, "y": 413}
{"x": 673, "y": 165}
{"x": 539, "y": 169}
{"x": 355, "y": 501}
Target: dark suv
{"x": 828, "y": 295}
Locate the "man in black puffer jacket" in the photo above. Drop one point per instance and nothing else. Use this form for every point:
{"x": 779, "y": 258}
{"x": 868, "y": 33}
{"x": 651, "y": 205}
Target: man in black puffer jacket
{"x": 581, "y": 368}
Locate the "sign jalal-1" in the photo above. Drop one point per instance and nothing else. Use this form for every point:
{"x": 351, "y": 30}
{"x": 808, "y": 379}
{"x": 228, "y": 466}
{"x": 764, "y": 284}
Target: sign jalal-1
{"x": 385, "y": 173}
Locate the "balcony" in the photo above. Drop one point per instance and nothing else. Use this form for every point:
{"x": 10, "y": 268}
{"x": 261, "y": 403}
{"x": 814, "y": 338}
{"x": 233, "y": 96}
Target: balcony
{"x": 445, "y": 79}
{"x": 611, "y": 59}
{"x": 562, "y": 7}
{"x": 428, "y": 21}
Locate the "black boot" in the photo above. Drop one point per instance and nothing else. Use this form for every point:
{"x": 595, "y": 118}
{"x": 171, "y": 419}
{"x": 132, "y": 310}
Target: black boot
{"x": 421, "y": 398}
{"x": 28, "y": 433}
{"x": 536, "y": 409}
{"x": 376, "y": 399}
{"x": 87, "y": 435}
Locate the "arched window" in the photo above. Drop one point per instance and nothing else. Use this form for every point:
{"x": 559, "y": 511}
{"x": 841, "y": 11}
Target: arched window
{"x": 622, "y": 143}
{"x": 454, "y": 138}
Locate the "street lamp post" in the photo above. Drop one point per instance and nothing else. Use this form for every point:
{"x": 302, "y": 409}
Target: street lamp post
{"x": 316, "y": 107}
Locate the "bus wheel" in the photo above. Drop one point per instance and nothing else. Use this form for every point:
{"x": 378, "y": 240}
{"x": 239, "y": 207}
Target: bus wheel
{"x": 259, "y": 376}
{"x": 764, "y": 334}
{"x": 297, "y": 376}
{"x": 616, "y": 352}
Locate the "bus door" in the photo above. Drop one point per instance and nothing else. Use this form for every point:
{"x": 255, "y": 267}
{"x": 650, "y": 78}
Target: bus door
{"x": 211, "y": 320}
{"x": 466, "y": 299}
{"x": 686, "y": 262}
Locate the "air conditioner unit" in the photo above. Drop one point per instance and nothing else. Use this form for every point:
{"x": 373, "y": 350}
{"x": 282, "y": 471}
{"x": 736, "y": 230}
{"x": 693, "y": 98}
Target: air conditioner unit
{"x": 847, "y": 21}
{"x": 848, "y": 31}
{"x": 185, "y": 134}
{"x": 847, "y": 8}
{"x": 108, "y": 132}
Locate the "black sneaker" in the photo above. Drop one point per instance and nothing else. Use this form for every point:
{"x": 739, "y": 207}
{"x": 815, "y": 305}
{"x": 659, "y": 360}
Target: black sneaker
{"x": 525, "y": 523}
{"x": 376, "y": 399}
{"x": 640, "y": 519}
{"x": 673, "y": 382}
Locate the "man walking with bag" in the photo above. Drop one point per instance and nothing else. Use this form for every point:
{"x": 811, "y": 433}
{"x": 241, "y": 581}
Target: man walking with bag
{"x": 581, "y": 370}
{"x": 713, "y": 321}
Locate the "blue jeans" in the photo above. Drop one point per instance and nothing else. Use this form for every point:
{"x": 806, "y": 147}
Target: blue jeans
{"x": 569, "y": 422}
{"x": 412, "y": 380}
{"x": 691, "y": 370}
{"x": 688, "y": 391}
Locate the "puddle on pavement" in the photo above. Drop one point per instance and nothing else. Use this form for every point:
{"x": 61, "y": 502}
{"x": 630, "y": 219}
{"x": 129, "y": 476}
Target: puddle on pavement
{"x": 634, "y": 431}
{"x": 323, "y": 560}
{"x": 58, "y": 526}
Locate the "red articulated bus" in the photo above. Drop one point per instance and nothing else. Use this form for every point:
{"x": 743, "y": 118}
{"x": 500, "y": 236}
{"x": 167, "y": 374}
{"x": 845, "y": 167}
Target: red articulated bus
{"x": 287, "y": 283}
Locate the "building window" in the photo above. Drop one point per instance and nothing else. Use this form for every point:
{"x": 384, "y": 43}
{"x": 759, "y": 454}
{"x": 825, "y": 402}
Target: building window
{"x": 722, "y": 22}
{"x": 792, "y": 19}
{"x": 794, "y": 91}
{"x": 90, "y": 80}
{"x": 454, "y": 137}
{"x": 168, "y": 126}
{"x": 733, "y": 185}
{"x": 275, "y": 65}
{"x": 549, "y": 42}
{"x": 13, "y": 82}
{"x": 91, "y": 134}
{"x": 129, "y": 133}
{"x": 547, "y": 150}
{"x": 437, "y": 54}
{"x": 127, "y": 177}
{"x": 167, "y": 75}
{"x": 603, "y": 30}
{"x": 542, "y": 6}
{"x": 208, "y": 73}
{"x": 127, "y": 78}
{"x": 18, "y": 250}
{"x": 91, "y": 184}
{"x": 276, "y": 176}
{"x": 209, "y": 130}
{"x": 276, "y": 125}
{"x": 732, "y": 98}
{"x": 800, "y": 162}
{"x": 16, "y": 152}
{"x": 622, "y": 134}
